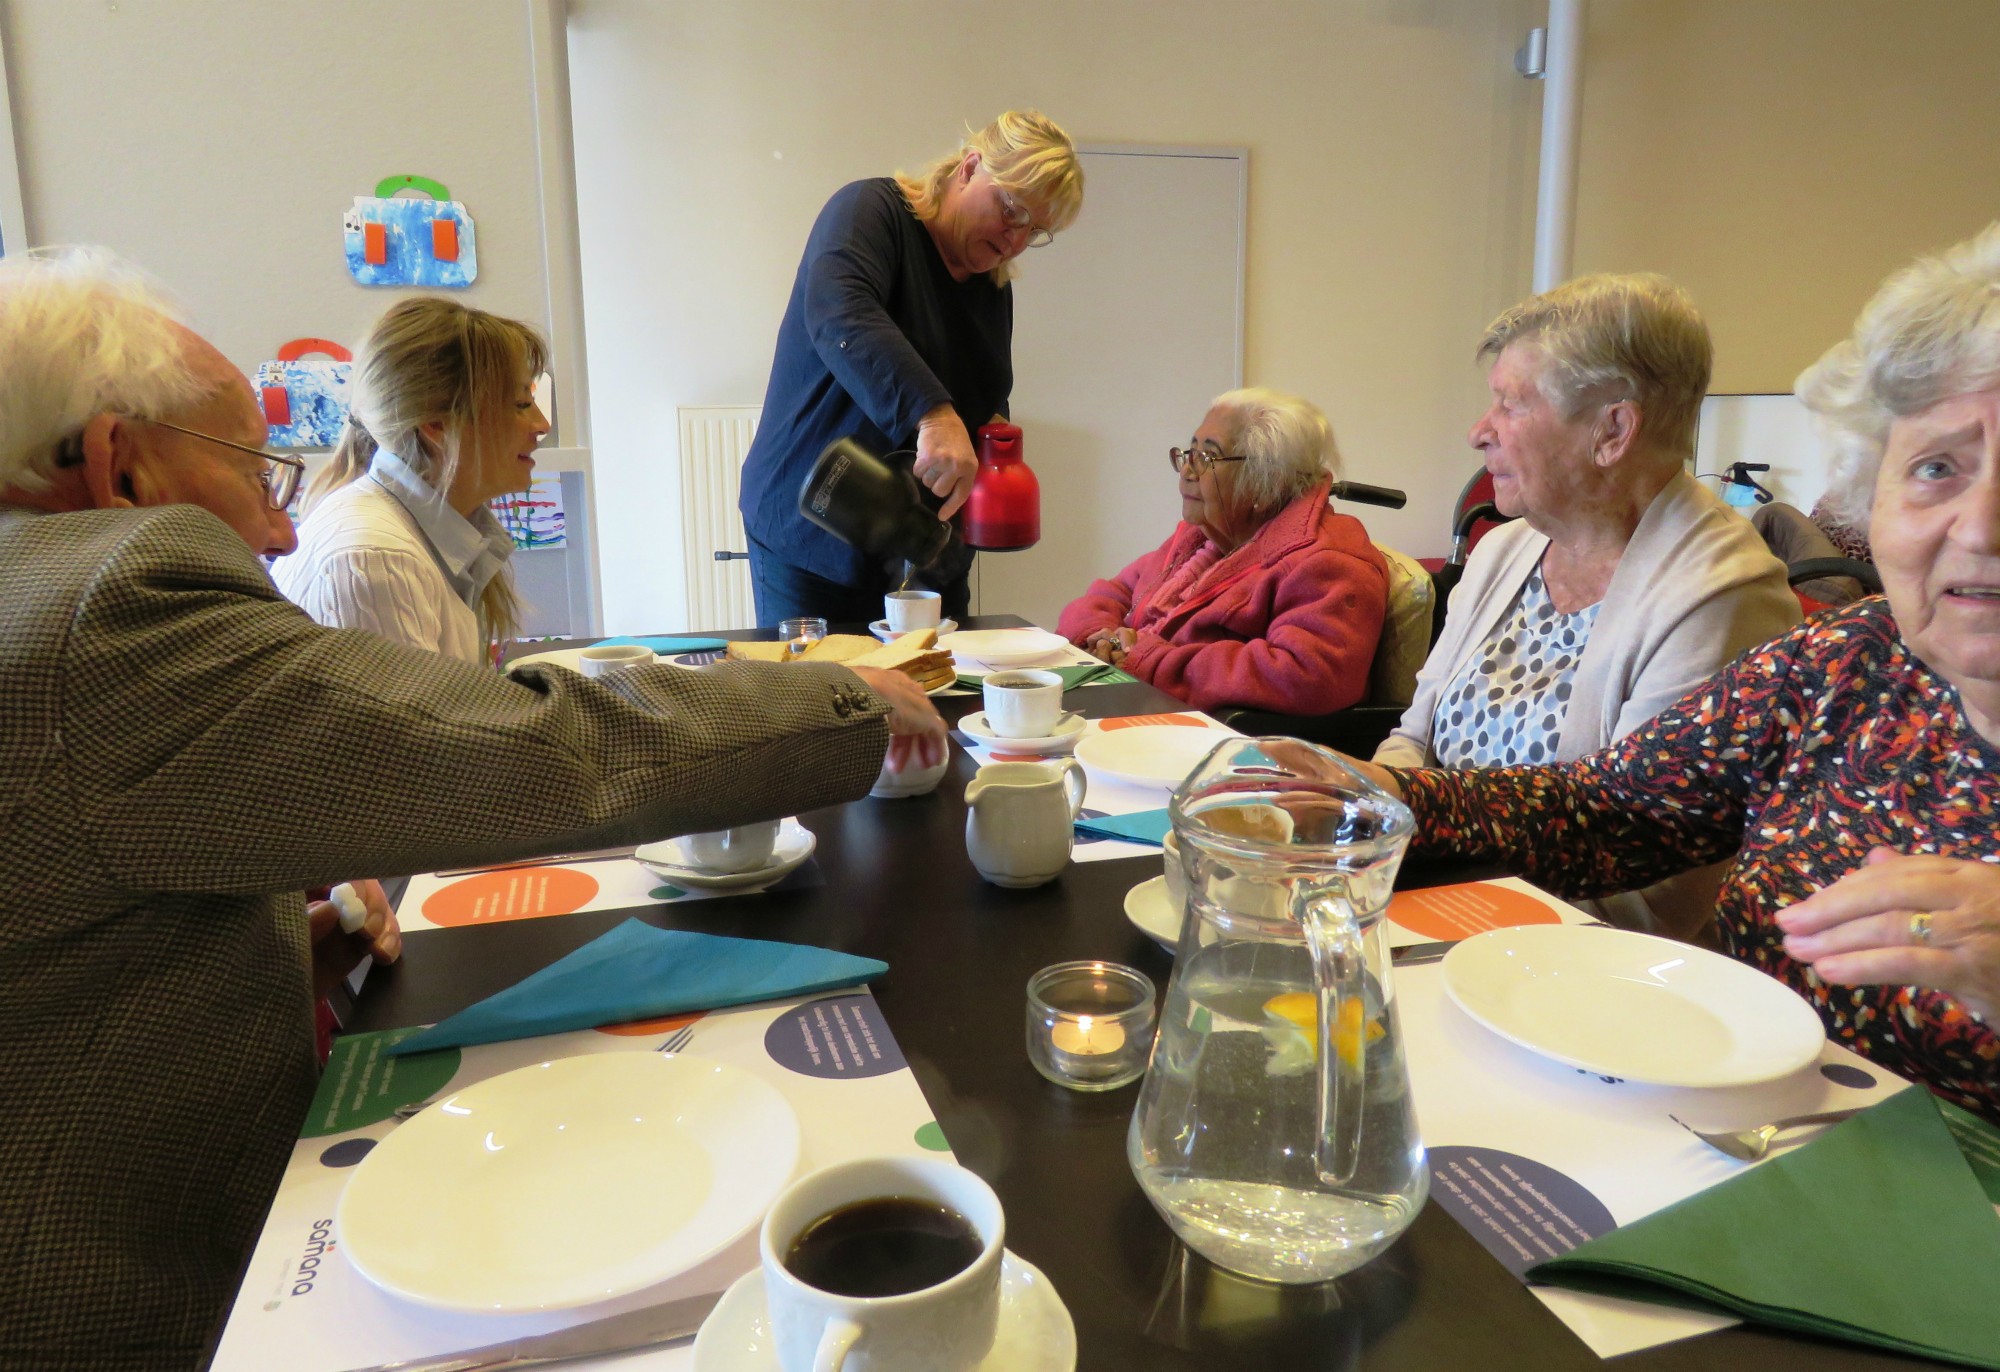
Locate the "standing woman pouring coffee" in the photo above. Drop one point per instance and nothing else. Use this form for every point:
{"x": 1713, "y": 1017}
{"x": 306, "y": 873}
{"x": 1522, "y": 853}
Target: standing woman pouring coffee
{"x": 899, "y": 332}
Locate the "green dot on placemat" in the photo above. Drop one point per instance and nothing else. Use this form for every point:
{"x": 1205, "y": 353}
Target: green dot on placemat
{"x": 931, "y": 1136}
{"x": 666, "y": 893}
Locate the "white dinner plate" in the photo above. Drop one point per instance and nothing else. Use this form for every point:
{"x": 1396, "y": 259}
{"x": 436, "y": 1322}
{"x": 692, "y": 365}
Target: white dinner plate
{"x": 1035, "y": 1332}
{"x": 1150, "y": 754}
{"x": 880, "y": 628}
{"x": 1153, "y": 914}
{"x": 795, "y": 844}
{"x": 1063, "y": 740}
{"x": 572, "y": 658}
{"x": 1004, "y": 647}
{"x": 1633, "y": 1006}
{"x": 569, "y": 1182}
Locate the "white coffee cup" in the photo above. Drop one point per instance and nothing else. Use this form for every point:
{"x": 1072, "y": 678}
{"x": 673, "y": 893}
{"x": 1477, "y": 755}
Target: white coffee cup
{"x": 742, "y": 849}
{"x": 1023, "y": 704}
{"x": 606, "y": 658}
{"x": 948, "y": 1327}
{"x": 1170, "y": 860}
{"x": 908, "y": 611}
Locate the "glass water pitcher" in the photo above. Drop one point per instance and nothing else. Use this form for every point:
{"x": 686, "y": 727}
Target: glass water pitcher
{"x": 1274, "y": 1130}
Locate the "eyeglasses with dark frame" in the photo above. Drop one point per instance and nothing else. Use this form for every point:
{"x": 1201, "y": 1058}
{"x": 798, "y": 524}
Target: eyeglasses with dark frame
{"x": 281, "y": 470}
{"x": 1015, "y": 215}
{"x": 1204, "y": 462}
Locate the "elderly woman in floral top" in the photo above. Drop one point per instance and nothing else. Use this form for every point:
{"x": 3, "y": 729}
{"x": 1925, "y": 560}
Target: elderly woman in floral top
{"x": 1852, "y": 766}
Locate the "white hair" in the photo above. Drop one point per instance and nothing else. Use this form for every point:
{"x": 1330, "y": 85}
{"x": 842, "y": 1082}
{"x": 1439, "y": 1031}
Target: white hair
{"x": 1287, "y": 441}
{"x": 1607, "y": 338}
{"x": 1931, "y": 332}
{"x": 82, "y": 333}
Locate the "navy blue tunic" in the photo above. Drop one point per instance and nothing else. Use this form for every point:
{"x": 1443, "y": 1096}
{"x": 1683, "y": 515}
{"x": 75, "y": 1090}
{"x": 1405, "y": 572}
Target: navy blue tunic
{"x": 876, "y": 335}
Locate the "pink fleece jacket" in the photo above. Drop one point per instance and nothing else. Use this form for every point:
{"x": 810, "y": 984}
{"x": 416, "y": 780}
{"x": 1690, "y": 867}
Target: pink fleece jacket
{"x": 1287, "y": 622}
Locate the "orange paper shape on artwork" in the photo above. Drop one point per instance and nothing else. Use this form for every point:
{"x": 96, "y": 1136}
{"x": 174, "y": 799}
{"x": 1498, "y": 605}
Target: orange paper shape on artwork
{"x": 511, "y": 893}
{"x": 375, "y": 244}
{"x": 1449, "y": 913}
{"x": 277, "y": 405}
{"x": 444, "y": 240}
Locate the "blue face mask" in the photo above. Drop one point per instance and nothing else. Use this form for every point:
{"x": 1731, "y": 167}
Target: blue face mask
{"x": 1742, "y": 497}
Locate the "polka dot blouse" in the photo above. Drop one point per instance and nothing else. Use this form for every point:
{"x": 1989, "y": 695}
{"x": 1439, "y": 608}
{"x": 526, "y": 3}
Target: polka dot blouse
{"x": 1796, "y": 759}
{"x": 1506, "y": 709}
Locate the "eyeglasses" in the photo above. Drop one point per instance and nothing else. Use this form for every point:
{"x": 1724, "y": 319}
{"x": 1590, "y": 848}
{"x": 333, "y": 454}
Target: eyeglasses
{"x": 281, "y": 471}
{"x": 1204, "y": 461}
{"x": 1015, "y": 215}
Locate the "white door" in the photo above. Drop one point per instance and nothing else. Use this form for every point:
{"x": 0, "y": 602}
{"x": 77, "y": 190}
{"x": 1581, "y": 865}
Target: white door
{"x": 1124, "y": 329}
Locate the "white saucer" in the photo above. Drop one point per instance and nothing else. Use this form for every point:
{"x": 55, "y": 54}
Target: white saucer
{"x": 571, "y": 658}
{"x": 880, "y": 628}
{"x": 1063, "y": 740}
{"x": 1152, "y": 914}
{"x": 1000, "y": 648}
{"x": 669, "y": 859}
{"x": 1158, "y": 755}
{"x": 1036, "y": 1334}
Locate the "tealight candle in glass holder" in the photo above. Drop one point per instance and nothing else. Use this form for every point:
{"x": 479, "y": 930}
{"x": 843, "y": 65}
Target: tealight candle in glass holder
{"x": 1090, "y": 1024}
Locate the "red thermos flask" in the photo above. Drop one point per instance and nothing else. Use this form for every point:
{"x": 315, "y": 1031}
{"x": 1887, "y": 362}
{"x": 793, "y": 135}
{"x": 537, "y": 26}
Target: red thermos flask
{"x": 1004, "y": 511}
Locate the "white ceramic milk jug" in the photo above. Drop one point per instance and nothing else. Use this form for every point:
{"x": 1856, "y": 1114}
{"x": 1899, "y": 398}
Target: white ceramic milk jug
{"x": 1018, "y": 818}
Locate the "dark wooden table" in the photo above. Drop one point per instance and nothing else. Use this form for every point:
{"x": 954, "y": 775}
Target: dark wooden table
{"x": 899, "y": 887}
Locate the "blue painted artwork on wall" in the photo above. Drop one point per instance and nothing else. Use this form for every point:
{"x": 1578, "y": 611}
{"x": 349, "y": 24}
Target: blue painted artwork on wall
{"x": 305, "y": 398}
{"x": 400, "y": 240}
{"x": 534, "y": 517}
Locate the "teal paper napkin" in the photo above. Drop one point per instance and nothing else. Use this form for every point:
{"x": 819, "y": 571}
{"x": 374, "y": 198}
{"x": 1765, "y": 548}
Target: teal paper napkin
{"x": 663, "y": 646}
{"x": 1078, "y": 674}
{"x": 1141, "y": 826}
{"x": 639, "y": 972}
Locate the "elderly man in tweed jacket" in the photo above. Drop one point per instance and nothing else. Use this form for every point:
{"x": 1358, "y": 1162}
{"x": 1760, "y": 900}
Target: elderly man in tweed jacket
{"x": 182, "y": 752}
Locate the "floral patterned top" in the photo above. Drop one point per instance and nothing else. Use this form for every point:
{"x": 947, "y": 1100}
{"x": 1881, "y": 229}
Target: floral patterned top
{"x": 1797, "y": 759}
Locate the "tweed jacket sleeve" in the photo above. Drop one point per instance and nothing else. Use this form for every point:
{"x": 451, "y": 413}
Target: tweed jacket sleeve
{"x": 216, "y": 739}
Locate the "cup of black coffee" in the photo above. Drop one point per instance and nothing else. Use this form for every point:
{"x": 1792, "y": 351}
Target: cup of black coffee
{"x": 895, "y": 1257}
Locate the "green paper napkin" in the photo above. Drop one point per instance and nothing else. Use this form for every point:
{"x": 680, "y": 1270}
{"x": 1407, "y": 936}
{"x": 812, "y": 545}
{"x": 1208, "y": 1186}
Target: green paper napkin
{"x": 1879, "y": 1232}
{"x": 1079, "y": 674}
{"x": 1141, "y": 826}
{"x": 639, "y": 972}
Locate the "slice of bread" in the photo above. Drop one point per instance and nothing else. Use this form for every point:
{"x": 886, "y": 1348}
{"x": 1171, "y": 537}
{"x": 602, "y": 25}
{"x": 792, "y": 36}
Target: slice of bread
{"x": 840, "y": 648}
{"x": 759, "y": 652}
{"x": 905, "y": 649}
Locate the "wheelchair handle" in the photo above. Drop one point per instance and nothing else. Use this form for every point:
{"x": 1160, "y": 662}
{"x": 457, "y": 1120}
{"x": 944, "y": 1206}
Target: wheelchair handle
{"x": 1369, "y": 495}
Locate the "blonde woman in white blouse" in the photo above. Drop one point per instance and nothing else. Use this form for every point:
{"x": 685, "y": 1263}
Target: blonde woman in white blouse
{"x": 396, "y": 537}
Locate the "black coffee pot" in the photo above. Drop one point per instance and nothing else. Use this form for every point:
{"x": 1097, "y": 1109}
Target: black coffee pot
{"x": 877, "y": 504}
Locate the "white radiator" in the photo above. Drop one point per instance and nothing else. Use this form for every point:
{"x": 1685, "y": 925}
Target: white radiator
{"x": 714, "y": 441}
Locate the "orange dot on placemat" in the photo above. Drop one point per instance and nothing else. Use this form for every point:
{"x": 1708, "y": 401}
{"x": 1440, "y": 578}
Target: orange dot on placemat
{"x": 1137, "y": 721}
{"x": 511, "y": 893}
{"x": 1455, "y": 912}
{"x": 639, "y": 1028}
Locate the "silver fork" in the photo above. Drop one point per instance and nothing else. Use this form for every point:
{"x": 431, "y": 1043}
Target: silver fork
{"x": 1752, "y": 1144}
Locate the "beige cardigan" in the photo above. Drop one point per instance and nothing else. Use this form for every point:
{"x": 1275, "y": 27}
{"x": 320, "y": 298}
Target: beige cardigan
{"x": 1695, "y": 588}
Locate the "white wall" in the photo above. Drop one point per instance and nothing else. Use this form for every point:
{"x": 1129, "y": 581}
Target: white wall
{"x": 218, "y": 143}
{"x": 1390, "y": 199}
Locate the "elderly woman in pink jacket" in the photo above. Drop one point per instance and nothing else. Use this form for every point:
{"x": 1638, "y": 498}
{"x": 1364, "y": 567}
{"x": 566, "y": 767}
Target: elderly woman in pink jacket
{"x": 1262, "y": 596}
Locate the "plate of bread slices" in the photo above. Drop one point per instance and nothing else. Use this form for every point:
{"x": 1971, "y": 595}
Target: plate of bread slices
{"x": 915, "y": 654}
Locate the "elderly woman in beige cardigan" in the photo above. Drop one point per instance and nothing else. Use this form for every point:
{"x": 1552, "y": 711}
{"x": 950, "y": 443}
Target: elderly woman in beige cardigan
{"x": 1622, "y": 583}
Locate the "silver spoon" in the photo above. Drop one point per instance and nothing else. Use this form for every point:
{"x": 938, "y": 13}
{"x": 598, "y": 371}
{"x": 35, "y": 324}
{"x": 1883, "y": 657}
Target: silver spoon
{"x": 1752, "y": 1144}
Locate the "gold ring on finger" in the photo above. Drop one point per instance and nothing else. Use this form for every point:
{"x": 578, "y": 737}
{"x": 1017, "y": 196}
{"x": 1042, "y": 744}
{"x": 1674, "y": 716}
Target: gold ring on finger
{"x": 1920, "y": 927}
